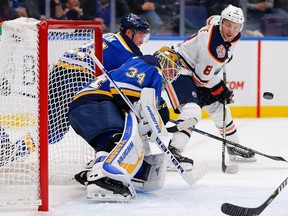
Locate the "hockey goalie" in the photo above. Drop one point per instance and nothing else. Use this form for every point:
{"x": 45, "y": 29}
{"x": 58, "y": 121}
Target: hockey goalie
{"x": 101, "y": 115}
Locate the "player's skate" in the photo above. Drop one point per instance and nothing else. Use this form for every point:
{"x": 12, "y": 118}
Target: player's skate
{"x": 238, "y": 154}
{"x": 185, "y": 162}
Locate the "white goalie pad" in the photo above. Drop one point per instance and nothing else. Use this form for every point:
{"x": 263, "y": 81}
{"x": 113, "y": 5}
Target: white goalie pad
{"x": 125, "y": 159}
{"x": 153, "y": 177}
{"x": 121, "y": 164}
{"x": 150, "y": 113}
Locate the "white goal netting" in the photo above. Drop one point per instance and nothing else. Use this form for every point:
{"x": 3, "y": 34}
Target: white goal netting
{"x": 22, "y": 50}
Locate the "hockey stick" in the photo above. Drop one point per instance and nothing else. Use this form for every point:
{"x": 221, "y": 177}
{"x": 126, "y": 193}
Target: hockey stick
{"x": 235, "y": 210}
{"x": 188, "y": 177}
{"x": 181, "y": 125}
{"x": 276, "y": 158}
{"x": 234, "y": 168}
{"x": 104, "y": 71}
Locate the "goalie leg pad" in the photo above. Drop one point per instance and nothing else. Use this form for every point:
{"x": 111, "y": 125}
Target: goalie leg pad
{"x": 103, "y": 188}
{"x": 153, "y": 175}
{"x": 119, "y": 167}
{"x": 151, "y": 114}
{"x": 127, "y": 157}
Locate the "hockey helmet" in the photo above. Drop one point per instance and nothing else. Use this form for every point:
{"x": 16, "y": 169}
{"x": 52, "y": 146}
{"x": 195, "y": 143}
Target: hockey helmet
{"x": 134, "y": 22}
{"x": 234, "y": 14}
{"x": 170, "y": 64}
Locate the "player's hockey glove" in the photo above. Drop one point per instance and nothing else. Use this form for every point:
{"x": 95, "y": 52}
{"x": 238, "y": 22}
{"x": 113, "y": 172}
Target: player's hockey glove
{"x": 221, "y": 92}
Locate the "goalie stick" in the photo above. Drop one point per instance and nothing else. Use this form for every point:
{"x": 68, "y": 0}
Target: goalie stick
{"x": 276, "y": 158}
{"x": 104, "y": 71}
{"x": 234, "y": 210}
{"x": 190, "y": 177}
{"x": 182, "y": 125}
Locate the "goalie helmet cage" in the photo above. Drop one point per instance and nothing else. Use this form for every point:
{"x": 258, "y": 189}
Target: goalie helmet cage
{"x": 37, "y": 83}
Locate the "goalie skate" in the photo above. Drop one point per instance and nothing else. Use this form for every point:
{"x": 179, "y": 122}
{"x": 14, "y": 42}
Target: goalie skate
{"x": 109, "y": 190}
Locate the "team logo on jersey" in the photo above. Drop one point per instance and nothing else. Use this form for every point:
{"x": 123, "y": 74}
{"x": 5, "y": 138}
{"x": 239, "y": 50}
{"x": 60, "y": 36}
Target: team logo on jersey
{"x": 194, "y": 94}
{"x": 221, "y": 51}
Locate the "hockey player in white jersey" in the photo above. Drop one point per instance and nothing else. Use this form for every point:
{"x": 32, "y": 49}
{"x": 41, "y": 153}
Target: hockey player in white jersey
{"x": 204, "y": 54}
{"x": 99, "y": 114}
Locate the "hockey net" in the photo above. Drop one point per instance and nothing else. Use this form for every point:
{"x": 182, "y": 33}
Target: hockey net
{"x": 36, "y": 86}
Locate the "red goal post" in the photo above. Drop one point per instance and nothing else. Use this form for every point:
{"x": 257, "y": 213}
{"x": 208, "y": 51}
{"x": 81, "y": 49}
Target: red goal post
{"x": 37, "y": 83}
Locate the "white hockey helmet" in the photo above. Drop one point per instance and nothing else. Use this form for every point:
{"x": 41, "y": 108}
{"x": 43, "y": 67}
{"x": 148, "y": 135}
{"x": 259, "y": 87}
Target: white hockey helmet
{"x": 234, "y": 14}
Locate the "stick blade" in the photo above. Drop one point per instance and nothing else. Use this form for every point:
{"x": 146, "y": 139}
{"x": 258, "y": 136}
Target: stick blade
{"x": 230, "y": 209}
{"x": 197, "y": 173}
{"x": 234, "y": 210}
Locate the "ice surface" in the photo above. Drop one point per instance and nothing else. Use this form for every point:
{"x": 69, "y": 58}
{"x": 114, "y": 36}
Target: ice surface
{"x": 250, "y": 187}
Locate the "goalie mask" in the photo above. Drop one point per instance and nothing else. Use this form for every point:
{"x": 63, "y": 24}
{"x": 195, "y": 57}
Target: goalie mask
{"x": 170, "y": 64}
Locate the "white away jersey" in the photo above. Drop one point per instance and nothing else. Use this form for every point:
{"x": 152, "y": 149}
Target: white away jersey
{"x": 205, "y": 54}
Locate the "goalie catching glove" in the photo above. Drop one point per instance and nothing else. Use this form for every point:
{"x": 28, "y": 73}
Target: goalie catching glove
{"x": 222, "y": 93}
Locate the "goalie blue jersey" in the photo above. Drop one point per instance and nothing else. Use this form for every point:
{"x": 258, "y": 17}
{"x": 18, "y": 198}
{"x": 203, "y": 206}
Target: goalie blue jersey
{"x": 117, "y": 48}
{"x": 134, "y": 75}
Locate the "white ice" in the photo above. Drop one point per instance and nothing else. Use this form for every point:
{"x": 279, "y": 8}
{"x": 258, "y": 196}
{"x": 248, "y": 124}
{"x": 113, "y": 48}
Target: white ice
{"x": 250, "y": 187}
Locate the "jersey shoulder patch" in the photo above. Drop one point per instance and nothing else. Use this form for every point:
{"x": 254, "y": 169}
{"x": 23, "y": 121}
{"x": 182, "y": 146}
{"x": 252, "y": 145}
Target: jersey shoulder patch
{"x": 217, "y": 47}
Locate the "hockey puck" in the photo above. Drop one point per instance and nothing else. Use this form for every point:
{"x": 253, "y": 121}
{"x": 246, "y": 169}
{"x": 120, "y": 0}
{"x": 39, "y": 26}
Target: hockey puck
{"x": 268, "y": 95}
